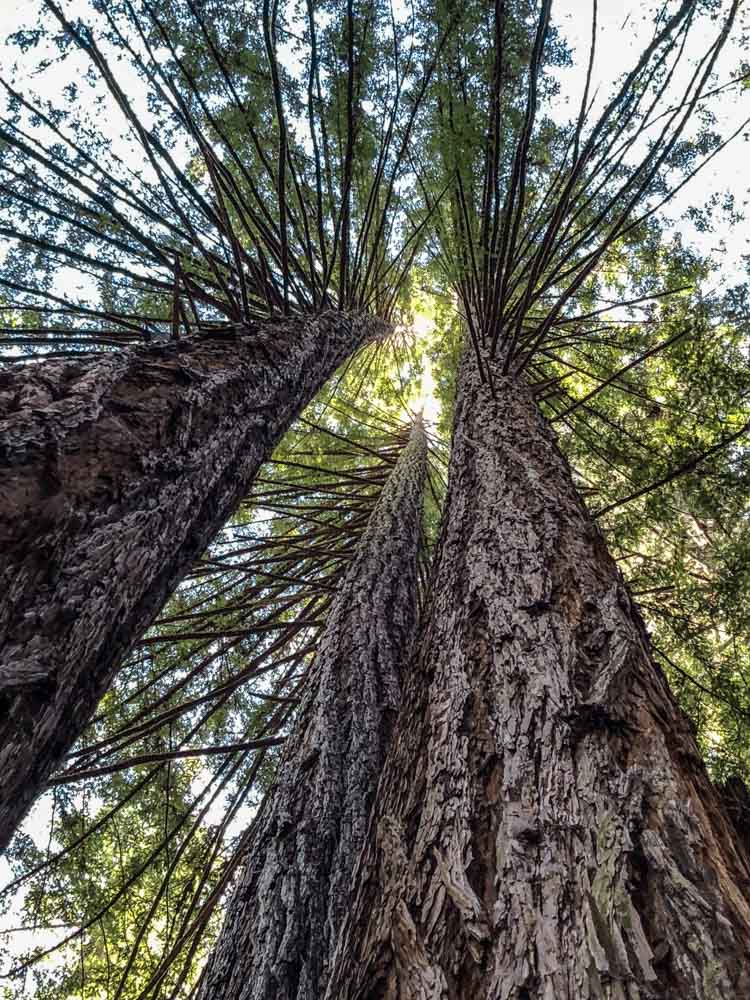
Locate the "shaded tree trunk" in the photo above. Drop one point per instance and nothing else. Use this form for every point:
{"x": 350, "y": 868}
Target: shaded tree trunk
{"x": 544, "y": 828}
{"x": 115, "y": 472}
{"x": 282, "y": 921}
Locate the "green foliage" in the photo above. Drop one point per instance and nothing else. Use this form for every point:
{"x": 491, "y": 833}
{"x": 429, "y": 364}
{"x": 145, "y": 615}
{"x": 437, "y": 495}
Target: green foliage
{"x": 149, "y": 819}
{"x": 401, "y": 155}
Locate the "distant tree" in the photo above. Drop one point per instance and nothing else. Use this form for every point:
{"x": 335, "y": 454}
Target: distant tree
{"x": 281, "y": 927}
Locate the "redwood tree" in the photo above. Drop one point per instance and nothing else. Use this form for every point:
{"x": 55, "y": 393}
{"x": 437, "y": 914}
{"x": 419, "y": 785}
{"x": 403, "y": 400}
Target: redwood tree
{"x": 282, "y": 921}
{"x": 120, "y": 468}
{"x": 544, "y": 825}
{"x": 117, "y": 471}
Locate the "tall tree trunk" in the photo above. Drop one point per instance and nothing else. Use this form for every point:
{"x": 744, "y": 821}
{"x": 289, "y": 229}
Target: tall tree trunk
{"x": 544, "y": 828}
{"x": 278, "y": 937}
{"x": 115, "y": 472}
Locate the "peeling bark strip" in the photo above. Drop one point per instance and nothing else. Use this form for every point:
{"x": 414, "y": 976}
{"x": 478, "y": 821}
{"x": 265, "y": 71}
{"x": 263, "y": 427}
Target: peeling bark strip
{"x": 544, "y": 828}
{"x": 116, "y": 471}
{"x": 281, "y": 926}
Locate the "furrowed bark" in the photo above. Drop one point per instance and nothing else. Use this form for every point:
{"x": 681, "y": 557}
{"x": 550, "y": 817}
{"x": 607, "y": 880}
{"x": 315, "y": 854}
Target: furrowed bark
{"x": 544, "y": 828}
{"x": 280, "y": 930}
{"x": 115, "y": 472}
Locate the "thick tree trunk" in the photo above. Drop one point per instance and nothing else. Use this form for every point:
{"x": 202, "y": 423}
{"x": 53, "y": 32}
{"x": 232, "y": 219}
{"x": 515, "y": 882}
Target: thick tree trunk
{"x": 278, "y": 937}
{"x": 115, "y": 472}
{"x": 544, "y": 828}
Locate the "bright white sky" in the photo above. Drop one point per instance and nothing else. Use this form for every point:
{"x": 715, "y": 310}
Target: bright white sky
{"x": 623, "y": 30}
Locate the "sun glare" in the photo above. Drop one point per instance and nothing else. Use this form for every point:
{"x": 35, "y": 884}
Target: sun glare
{"x": 424, "y": 400}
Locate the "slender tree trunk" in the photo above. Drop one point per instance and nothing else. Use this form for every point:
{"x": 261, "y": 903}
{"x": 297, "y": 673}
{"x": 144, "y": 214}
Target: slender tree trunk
{"x": 115, "y": 472}
{"x": 278, "y": 937}
{"x": 544, "y": 828}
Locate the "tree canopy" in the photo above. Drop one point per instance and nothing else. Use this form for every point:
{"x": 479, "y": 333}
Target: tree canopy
{"x": 207, "y": 165}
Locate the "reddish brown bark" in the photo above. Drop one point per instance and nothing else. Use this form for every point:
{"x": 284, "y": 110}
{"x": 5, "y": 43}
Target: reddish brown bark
{"x": 282, "y": 922}
{"x": 115, "y": 472}
{"x": 544, "y": 828}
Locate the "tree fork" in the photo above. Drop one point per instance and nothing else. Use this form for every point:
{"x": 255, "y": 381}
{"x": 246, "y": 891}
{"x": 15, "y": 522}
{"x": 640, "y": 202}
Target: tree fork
{"x": 544, "y": 826}
{"x": 280, "y": 930}
{"x": 116, "y": 470}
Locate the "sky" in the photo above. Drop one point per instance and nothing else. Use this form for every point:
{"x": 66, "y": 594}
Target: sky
{"x": 621, "y": 34}
{"x": 623, "y": 29}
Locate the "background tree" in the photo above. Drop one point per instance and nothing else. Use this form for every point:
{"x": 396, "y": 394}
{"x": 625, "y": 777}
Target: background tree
{"x": 281, "y": 927}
